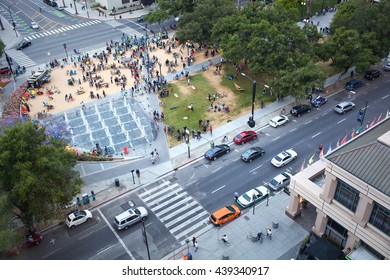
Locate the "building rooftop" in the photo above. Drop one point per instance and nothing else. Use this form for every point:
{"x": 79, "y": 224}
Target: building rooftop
{"x": 367, "y": 156}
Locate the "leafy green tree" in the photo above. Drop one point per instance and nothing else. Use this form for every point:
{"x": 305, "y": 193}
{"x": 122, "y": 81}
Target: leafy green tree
{"x": 170, "y": 8}
{"x": 299, "y": 82}
{"x": 366, "y": 16}
{"x": 36, "y": 173}
{"x": 197, "y": 25}
{"x": 346, "y": 49}
{"x": 157, "y": 16}
{"x": 2, "y": 46}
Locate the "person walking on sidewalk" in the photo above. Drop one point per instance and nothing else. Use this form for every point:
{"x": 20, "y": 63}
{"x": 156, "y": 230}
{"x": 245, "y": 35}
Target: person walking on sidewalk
{"x": 196, "y": 245}
{"x": 235, "y": 196}
{"x": 193, "y": 241}
{"x": 211, "y": 130}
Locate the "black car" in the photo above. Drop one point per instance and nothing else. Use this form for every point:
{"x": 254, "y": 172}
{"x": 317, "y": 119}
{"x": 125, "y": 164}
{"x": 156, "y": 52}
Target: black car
{"x": 252, "y": 153}
{"x": 23, "y": 44}
{"x": 217, "y": 151}
{"x": 372, "y": 74}
{"x": 300, "y": 109}
{"x": 353, "y": 84}
{"x": 140, "y": 18}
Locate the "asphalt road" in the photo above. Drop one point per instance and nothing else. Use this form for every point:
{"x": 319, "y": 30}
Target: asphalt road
{"x": 202, "y": 187}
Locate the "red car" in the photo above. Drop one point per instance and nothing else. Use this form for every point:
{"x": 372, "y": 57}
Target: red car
{"x": 244, "y": 136}
{"x": 32, "y": 239}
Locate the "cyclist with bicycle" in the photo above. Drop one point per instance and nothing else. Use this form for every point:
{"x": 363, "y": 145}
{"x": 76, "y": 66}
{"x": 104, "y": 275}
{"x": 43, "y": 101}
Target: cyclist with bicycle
{"x": 225, "y": 239}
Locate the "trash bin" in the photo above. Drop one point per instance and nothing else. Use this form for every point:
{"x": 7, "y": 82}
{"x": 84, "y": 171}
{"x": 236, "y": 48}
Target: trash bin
{"x": 117, "y": 182}
{"x": 275, "y": 225}
{"x": 189, "y": 256}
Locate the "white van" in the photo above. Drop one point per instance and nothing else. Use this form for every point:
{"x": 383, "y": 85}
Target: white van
{"x": 130, "y": 217}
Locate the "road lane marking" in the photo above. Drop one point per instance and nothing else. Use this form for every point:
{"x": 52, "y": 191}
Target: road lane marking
{"x": 216, "y": 170}
{"x": 315, "y": 135}
{"x": 218, "y": 189}
{"x": 117, "y": 236}
{"x": 256, "y": 168}
{"x": 291, "y": 130}
{"x": 308, "y": 122}
{"x": 52, "y": 252}
{"x": 341, "y": 121}
{"x": 385, "y": 96}
{"x": 276, "y": 138}
{"x": 105, "y": 249}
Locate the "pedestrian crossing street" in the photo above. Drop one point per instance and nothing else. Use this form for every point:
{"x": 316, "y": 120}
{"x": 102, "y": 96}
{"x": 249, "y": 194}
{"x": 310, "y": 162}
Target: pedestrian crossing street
{"x": 20, "y": 58}
{"x": 182, "y": 215}
{"x": 60, "y": 30}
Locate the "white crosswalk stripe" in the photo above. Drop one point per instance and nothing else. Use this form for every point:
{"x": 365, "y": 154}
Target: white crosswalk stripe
{"x": 182, "y": 215}
{"x": 60, "y": 30}
{"x": 113, "y": 23}
{"x": 20, "y": 58}
{"x": 130, "y": 31}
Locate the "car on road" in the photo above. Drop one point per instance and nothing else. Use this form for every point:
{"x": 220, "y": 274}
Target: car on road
{"x": 33, "y": 25}
{"x": 353, "y": 84}
{"x": 386, "y": 67}
{"x": 245, "y": 136}
{"x": 130, "y": 217}
{"x": 372, "y": 74}
{"x": 53, "y": 4}
{"x": 319, "y": 101}
{"x": 224, "y": 215}
{"x": 278, "y": 121}
{"x": 78, "y": 217}
{"x": 217, "y": 151}
{"x": 141, "y": 18}
{"x": 284, "y": 158}
{"x": 31, "y": 239}
{"x": 252, "y": 153}
{"x": 279, "y": 181}
{"x": 23, "y": 44}
{"x": 5, "y": 71}
{"x": 300, "y": 109}
{"x": 60, "y": 8}
{"x": 254, "y": 195}
{"x": 344, "y": 107}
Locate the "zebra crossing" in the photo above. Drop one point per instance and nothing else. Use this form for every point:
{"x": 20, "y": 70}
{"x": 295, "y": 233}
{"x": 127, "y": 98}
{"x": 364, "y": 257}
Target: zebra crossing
{"x": 130, "y": 31}
{"x": 20, "y": 58}
{"x": 60, "y": 30}
{"x": 182, "y": 215}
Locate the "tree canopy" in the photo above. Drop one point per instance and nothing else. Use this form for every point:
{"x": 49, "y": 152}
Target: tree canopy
{"x": 36, "y": 175}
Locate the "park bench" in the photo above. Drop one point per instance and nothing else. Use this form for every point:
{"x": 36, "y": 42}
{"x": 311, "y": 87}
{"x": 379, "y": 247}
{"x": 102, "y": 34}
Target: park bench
{"x": 238, "y": 87}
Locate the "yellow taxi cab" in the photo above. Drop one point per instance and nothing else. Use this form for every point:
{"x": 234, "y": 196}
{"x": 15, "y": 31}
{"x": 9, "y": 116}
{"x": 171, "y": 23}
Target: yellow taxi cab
{"x": 224, "y": 215}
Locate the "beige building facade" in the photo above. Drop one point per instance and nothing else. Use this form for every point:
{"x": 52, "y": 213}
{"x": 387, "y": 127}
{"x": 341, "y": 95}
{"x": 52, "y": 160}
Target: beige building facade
{"x": 350, "y": 189}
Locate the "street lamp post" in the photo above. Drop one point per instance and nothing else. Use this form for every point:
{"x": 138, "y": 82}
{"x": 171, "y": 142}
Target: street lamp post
{"x": 86, "y": 7}
{"x": 75, "y": 8}
{"x": 251, "y": 121}
{"x": 132, "y": 174}
{"x": 12, "y": 19}
{"x": 303, "y": 4}
{"x": 188, "y": 143}
{"x": 145, "y": 237}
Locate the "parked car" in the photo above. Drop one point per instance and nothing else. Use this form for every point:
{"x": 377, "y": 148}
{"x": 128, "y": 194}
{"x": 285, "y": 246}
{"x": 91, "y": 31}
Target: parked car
{"x": 372, "y": 74}
{"x": 31, "y": 239}
{"x": 278, "y": 121}
{"x": 78, "y": 217}
{"x": 344, "y": 107}
{"x": 224, "y": 215}
{"x": 279, "y": 181}
{"x": 130, "y": 217}
{"x": 5, "y": 71}
{"x": 319, "y": 101}
{"x": 252, "y": 196}
{"x": 23, "y": 44}
{"x": 284, "y": 157}
{"x": 300, "y": 109}
{"x": 386, "y": 67}
{"x": 244, "y": 136}
{"x": 33, "y": 25}
{"x": 141, "y": 18}
{"x": 53, "y": 4}
{"x": 217, "y": 151}
{"x": 252, "y": 153}
{"x": 353, "y": 84}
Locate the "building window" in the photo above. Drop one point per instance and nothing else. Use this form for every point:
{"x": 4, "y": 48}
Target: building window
{"x": 336, "y": 232}
{"x": 346, "y": 195}
{"x": 380, "y": 218}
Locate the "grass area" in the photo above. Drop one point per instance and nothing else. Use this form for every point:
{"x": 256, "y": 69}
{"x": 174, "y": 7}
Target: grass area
{"x": 182, "y": 116}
